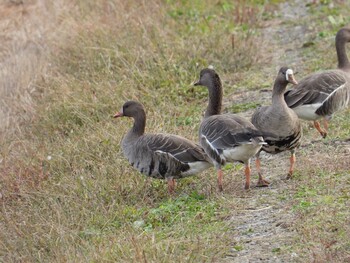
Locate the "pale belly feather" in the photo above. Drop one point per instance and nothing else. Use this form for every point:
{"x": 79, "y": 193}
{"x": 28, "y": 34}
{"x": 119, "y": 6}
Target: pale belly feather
{"x": 241, "y": 153}
{"x": 307, "y": 112}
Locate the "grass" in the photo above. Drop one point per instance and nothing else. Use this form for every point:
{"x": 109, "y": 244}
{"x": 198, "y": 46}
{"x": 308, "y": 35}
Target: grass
{"x": 68, "y": 194}
{"x": 73, "y": 197}
{"x": 243, "y": 107}
{"x": 322, "y": 209}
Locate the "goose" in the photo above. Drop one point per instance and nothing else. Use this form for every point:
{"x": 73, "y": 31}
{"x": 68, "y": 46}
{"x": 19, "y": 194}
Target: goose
{"x": 226, "y": 137}
{"x": 280, "y": 120}
{"x": 320, "y": 95}
{"x": 162, "y": 156}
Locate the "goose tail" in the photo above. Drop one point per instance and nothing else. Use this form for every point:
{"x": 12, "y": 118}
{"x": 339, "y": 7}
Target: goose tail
{"x": 337, "y": 100}
{"x": 211, "y": 151}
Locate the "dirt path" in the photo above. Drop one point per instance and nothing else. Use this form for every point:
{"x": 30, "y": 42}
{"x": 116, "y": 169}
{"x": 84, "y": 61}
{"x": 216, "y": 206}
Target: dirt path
{"x": 263, "y": 230}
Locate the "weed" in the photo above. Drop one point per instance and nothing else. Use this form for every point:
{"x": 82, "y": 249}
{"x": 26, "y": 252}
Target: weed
{"x": 243, "y": 107}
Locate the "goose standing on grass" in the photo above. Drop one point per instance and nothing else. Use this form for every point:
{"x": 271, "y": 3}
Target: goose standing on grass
{"x": 320, "y": 95}
{"x": 162, "y": 156}
{"x": 279, "y": 120}
{"x": 226, "y": 137}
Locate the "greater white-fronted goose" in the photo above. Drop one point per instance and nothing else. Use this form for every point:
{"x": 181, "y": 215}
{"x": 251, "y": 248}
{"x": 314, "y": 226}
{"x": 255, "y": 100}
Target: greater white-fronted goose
{"x": 280, "y": 120}
{"x": 162, "y": 156}
{"x": 320, "y": 95}
{"x": 226, "y": 137}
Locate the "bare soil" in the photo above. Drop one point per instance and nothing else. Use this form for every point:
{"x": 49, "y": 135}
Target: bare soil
{"x": 267, "y": 225}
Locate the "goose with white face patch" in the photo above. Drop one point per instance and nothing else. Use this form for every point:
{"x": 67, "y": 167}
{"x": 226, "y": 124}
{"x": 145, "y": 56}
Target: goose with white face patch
{"x": 322, "y": 94}
{"x": 162, "y": 156}
{"x": 280, "y": 120}
{"x": 226, "y": 137}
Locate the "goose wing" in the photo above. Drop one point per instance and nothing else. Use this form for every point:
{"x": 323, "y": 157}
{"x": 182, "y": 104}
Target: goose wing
{"x": 180, "y": 148}
{"x": 316, "y": 88}
{"x": 227, "y": 131}
{"x": 162, "y": 156}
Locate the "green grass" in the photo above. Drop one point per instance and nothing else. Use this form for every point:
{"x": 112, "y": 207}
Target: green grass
{"x": 70, "y": 195}
{"x": 323, "y": 208}
{"x": 243, "y": 107}
{"x": 325, "y": 22}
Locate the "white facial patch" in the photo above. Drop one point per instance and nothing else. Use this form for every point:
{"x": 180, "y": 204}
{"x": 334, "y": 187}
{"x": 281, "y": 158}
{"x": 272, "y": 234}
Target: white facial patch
{"x": 288, "y": 72}
{"x": 210, "y": 67}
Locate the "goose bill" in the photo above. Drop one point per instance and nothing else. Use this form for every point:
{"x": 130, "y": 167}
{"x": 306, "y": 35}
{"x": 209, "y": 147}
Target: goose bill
{"x": 291, "y": 79}
{"x": 118, "y": 114}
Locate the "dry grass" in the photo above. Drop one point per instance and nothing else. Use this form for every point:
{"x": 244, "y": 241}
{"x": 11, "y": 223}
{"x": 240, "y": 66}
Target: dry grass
{"x": 67, "y": 193}
{"x": 85, "y": 203}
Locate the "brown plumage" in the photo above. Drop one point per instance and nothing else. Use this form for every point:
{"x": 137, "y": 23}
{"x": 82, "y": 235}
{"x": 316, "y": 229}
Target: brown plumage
{"x": 320, "y": 95}
{"x": 226, "y": 137}
{"x": 162, "y": 156}
{"x": 280, "y": 120}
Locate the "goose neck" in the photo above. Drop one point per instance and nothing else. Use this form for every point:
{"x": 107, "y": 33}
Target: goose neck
{"x": 278, "y": 93}
{"x": 138, "y": 129}
{"x": 343, "y": 60}
{"x": 215, "y": 99}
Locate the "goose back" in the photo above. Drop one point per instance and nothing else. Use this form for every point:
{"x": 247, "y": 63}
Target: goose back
{"x": 221, "y": 134}
{"x": 164, "y": 155}
{"x": 320, "y": 94}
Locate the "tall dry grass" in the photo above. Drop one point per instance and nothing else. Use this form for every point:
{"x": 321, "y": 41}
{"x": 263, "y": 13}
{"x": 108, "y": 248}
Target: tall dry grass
{"x": 67, "y": 193}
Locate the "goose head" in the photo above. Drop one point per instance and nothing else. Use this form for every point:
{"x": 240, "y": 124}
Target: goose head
{"x": 136, "y": 111}
{"x": 130, "y": 109}
{"x": 208, "y": 78}
{"x": 285, "y": 76}
{"x": 342, "y": 37}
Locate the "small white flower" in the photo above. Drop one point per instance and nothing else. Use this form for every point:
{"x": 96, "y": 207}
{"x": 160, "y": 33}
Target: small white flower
{"x": 49, "y": 157}
{"x": 139, "y": 223}
{"x": 211, "y": 67}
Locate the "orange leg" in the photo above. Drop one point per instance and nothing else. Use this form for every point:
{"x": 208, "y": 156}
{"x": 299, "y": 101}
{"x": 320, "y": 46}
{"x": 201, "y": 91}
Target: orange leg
{"x": 318, "y": 127}
{"x": 171, "y": 186}
{"x": 247, "y": 172}
{"x": 325, "y": 124}
{"x": 220, "y": 176}
{"x": 261, "y": 182}
{"x": 291, "y": 168}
